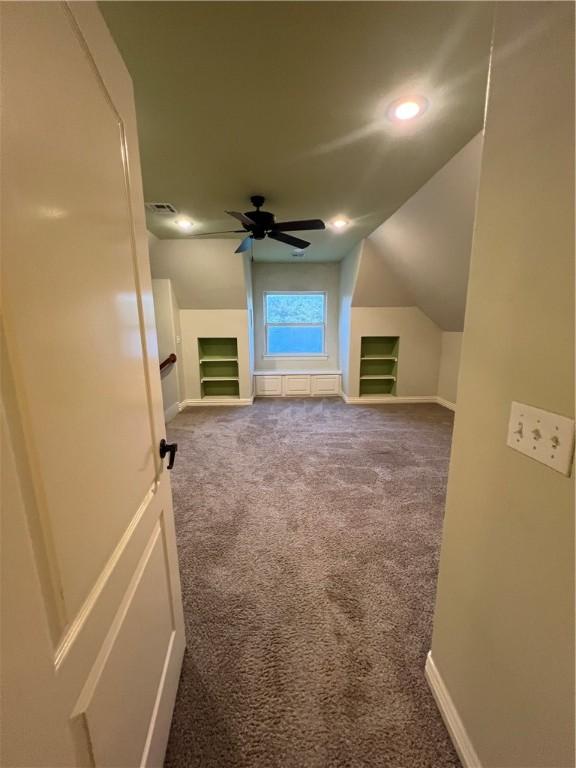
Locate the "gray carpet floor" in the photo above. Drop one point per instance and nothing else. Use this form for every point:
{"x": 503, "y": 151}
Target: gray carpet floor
{"x": 308, "y": 535}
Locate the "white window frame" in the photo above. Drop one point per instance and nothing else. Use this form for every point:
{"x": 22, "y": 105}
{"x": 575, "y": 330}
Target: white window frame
{"x": 322, "y": 325}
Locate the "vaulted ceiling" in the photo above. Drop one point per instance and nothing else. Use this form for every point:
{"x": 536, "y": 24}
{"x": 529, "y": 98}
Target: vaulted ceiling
{"x": 289, "y": 99}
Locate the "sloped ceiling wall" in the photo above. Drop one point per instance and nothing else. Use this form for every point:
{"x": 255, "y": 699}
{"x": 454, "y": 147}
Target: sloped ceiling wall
{"x": 377, "y": 285}
{"x": 205, "y": 274}
{"x": 421, "y": 254}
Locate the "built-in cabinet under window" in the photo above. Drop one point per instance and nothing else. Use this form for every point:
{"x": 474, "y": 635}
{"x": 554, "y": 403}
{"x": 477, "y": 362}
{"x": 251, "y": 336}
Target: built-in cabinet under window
{"x": 378, "y": 365}
{"x": 288, "y": 384}
{"x": 218, "y": 367}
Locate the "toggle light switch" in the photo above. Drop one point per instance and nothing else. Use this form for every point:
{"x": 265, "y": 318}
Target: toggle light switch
{"x": 544, "y": 436}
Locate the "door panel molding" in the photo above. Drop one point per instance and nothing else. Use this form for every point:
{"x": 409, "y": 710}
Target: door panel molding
{"x": 144, "y": 616}
{"x": 115, "y": 627}
{"x": 35, "y": 508}
{"x": 83, "y": 615}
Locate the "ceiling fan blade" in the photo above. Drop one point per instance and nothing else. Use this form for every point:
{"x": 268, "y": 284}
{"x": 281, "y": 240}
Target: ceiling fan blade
{"x": 295, "y": 226}
{"x": 242, "y": 218}
{"x": 288, "y": 239}
{"x": 244, "y": 245}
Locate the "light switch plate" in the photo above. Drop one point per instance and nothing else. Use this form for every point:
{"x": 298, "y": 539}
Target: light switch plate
{"x": 544, "y": 436}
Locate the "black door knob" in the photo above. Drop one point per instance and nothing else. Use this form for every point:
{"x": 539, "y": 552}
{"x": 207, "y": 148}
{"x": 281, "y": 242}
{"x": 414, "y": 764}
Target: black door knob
{"x": 170, "y": 449}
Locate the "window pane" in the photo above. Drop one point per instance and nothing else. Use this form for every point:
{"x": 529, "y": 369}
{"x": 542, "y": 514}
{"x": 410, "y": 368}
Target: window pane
{"x": 294, "y": 340}
{"x": 295, "y": 307}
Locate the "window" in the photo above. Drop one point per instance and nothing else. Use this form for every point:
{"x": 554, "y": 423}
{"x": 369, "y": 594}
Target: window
{"x": 295, "y": 324}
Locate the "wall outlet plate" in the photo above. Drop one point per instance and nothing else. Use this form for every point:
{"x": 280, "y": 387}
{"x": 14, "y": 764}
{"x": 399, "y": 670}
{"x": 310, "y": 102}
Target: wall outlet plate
{"x": 544, "y": 436}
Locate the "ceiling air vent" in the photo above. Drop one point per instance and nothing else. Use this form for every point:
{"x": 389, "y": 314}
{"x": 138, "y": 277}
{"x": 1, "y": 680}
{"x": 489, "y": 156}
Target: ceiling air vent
{"x": 164, "y": 209}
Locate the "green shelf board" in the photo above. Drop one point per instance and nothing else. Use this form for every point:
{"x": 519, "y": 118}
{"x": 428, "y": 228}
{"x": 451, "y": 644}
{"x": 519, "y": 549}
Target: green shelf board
{"x": 217, "y": 346}
{"x": 379, "y": 346}
{"x": 377, "y": 387}
{"x": 378, "y": 376}
{"x": 220, "y": 378}
{"x": 221, "y": 387}
{"x": 381, "y": 368}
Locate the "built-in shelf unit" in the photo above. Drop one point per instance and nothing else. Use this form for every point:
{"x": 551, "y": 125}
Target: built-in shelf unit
{"x": 378, "y": 365}
{"x": 219, "y": 367}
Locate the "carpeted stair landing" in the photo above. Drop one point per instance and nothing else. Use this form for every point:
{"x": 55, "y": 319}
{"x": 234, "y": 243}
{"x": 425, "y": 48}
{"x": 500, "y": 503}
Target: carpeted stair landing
{"x": 308, "y": 535}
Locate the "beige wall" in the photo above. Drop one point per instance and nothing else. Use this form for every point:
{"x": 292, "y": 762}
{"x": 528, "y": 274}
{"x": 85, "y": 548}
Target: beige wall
{"x": 166, "y": 316}
{"x": 250, "y": 307}
{"x": 504, "y": 622}
{"x": 449, "y": 365}
{"x": 152, "y": 240}
{"x": 376, "y": 284}
{"x": 198, "y": 323}
{"x": 178, "y": 330}
{"x": 369, "y": 306}
{"x": 425, "y": 246}
{"x": 348, "y": 275}
{"x": 206, "y": 274}
{"x": 267, "y": 276}
{"x": 419, "y": 353}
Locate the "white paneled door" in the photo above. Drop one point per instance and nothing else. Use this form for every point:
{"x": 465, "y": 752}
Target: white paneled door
{"x": 92, "y": 627}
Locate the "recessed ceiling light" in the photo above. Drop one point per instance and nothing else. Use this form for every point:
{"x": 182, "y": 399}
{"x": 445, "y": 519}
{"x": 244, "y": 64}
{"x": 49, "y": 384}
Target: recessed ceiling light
{"x": 407, "y": 109}
{"x": 184, "y": 224}
{"x": 340, "y": 223}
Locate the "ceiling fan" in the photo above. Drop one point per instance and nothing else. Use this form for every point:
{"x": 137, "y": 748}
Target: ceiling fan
{"x": 260, "y": 224}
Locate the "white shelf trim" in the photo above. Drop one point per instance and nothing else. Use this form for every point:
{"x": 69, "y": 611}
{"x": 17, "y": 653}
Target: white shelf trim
{"x": 379, "y": 357}
{"x": 216, "y": 359}
{"x": 377, "y": 376}
{"x": 219, "y": 378}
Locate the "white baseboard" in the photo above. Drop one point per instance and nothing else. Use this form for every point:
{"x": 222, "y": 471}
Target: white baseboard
{"x": 387, "y": 399}
{"x": 454, "y": 724}
{"x": 365, "y": 400}
{"x": 297, "y": 396}
{"x": 210, "y": 401}
{"x": 398, "y": 400}
{"x": 172, "y": 411}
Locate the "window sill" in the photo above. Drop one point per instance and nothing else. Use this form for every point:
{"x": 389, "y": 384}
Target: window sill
{"x": 296, "y": 372}
{"x": 295, "y": 357}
